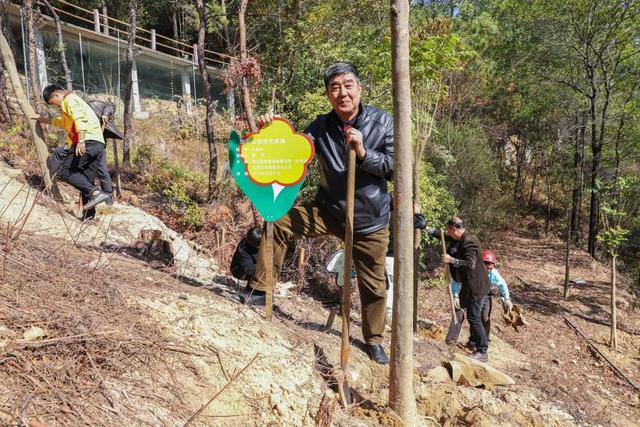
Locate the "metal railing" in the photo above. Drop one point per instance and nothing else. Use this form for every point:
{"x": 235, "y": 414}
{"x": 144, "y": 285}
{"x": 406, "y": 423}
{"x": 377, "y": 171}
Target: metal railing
{"x": 121, "y": 30}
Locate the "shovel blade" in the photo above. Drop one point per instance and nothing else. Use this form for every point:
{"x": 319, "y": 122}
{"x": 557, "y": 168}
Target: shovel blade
{"x": 344, "y": 392}
{"x": 455, "y": 327}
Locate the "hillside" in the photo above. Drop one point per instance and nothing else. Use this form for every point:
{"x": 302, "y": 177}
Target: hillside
{"x": 128, "y": 344}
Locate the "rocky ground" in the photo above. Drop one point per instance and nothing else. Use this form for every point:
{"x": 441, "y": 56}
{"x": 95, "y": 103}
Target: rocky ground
{"x": 123, "y": 343}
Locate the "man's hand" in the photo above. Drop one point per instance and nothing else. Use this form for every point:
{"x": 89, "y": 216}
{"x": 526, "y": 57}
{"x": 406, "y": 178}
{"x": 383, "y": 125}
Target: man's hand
{"x": 456, "y": 303}
{"x": 42, "y": 119}
{"x": 507, "y": 305}
{"x": 105, "y": 120}
{"x": 81, "y": 148}
{"x": 266, "y": 119}
{"x": 447, "y": 259}
{"x": 354, "y": 137}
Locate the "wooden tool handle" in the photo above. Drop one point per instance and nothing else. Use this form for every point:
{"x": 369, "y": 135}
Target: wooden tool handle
{"x": 348, "y": 256}
{"x": 454, "y": 318}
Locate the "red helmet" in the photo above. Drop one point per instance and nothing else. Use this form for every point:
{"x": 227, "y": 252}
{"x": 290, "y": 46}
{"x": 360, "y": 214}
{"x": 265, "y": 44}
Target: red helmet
{"x": 488, "y": 256}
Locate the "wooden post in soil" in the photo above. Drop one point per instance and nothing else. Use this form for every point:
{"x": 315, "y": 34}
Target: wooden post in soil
{"x": 268, "y": 306}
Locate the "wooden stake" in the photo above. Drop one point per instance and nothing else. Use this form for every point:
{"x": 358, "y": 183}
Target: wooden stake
{"x": 268, "y": 307}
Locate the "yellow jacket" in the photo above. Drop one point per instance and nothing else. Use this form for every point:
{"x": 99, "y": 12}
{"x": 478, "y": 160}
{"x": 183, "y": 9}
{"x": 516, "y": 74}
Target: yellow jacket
{"x": 77, "y": 116}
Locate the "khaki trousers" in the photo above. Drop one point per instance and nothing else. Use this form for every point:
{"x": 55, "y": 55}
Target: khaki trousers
{"x": 369, "y": 251}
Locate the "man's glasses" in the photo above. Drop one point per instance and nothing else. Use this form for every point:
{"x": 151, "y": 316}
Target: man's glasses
{"x": 455, "y": 224}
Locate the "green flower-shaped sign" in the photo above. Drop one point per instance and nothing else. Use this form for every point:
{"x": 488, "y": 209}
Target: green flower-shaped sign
{"x": 270, "y": 166}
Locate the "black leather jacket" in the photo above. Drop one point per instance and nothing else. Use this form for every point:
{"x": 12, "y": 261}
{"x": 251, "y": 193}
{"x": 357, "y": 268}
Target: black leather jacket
{"x": 102, "y": 108}
{"x": 371, "y": 195}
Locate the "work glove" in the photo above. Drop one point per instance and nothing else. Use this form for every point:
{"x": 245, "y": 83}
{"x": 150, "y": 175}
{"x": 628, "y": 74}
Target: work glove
{"x": 507, "y": 305}
{"x": 456, "y": 302}
{"x": 419, "y": 221}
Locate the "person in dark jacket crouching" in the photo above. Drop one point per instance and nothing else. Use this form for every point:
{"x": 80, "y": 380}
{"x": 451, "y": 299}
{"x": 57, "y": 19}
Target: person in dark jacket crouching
{"x": 464, "y": 256}
{"x": 370, "y": 131}
{"x": 243, "y": 263}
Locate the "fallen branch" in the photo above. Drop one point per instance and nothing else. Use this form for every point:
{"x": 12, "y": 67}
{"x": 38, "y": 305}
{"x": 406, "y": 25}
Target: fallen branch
{"x": 201, "y": 410}
{"x": 70, "y": 338}
{"x": 595, "y": 349}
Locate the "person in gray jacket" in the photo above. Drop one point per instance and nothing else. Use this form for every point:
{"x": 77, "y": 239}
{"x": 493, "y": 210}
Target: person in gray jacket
{"x": 370, "y": 131}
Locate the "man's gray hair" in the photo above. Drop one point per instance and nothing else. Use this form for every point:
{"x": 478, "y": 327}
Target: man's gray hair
{"x": 338, "y": 69}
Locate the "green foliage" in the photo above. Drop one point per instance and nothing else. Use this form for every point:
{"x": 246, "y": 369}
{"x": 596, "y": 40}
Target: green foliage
{"x": 15, "y": 129}
{"x": 472, "y": 169}
{"x": 614, "y": 207}
{"x": 437, "y": 203}
{"x": 193, "y": 215}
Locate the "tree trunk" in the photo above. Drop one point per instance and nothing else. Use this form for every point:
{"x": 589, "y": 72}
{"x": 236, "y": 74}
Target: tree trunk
{"x": 596, "y": 151}
{"x": 401, "y": 397}
{"x": 547, "y": 219}
{"x": 246, "y": 94}
{"x": 207, "y": 87}
{"x": 231, "y": 98}
{"x": 31, "y": 52}
{"x": 567, "y": 254}
{"x": 594, "y": 205}
{"x": 614, "y": 333}
{"x": 578, "y": 189}
{"x": 174, "y": 23}
{"x": 534, "y": 178}
{"x": 28, "y": 112}
{"x": 61, "y": 48}
{"x": 7, "y": 118}
{"x": 128, "y": 93}
{"x": 105, "y": 19}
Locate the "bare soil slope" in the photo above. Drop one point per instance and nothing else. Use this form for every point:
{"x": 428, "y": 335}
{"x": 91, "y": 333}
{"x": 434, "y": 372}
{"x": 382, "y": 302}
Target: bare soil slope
{"x": 121, "y": 343}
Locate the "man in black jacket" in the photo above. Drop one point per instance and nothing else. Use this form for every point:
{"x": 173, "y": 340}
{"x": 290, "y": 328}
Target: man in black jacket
{"x": 465, "y": 264}
{"x": 370, "y": 131}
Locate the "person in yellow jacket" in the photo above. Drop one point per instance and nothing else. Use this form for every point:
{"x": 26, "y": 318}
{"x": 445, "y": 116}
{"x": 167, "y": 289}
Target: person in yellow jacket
{"x": 85, "y": 140}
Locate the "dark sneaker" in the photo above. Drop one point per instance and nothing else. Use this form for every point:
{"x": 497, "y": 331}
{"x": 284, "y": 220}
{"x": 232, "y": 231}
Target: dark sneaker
{"x": 252, "y": 299}
{"x": 109, "y": 201}
{"x": 377, "y": 354}
{"x": 96, "y": 198}
{"x": 480, "y": 357}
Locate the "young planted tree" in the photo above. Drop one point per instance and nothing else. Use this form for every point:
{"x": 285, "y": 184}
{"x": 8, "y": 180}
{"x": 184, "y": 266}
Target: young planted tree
{"x": 401, "y": 396}
{"x": 128, "y": 93}
{"x": 207, "y": 86}
{"x": 615, "y": 200}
